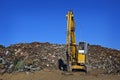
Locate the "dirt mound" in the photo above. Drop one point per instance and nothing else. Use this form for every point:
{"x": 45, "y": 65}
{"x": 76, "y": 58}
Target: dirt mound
{"x": 36, "y": 56}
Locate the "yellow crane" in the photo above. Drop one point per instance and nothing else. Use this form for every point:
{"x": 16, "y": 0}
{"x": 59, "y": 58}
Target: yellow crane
{"x": 76, "y": 54}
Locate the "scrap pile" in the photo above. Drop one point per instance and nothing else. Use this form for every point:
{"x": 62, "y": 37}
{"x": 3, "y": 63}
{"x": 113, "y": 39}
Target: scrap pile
{"x": 31, "y": 56}
{"x": 36, "y": 56}
{"x": 104, "y": 58}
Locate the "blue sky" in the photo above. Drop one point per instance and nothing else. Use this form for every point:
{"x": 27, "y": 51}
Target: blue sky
{"x": 97, "y": 21}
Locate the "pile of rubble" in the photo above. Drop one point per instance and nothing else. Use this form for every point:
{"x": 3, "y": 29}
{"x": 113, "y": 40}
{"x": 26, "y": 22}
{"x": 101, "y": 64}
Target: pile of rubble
{"x": 36, "y": 56}
{"x": 104, "y": 58}
{"x": 31, "y": 56}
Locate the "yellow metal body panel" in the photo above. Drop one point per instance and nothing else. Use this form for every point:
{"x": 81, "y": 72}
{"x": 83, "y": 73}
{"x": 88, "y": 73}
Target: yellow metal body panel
{"x": 81, "y": 58}
{"x": 78, "y": 67}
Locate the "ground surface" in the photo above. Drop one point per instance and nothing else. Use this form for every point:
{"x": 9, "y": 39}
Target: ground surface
{"x": 57, "y": 75}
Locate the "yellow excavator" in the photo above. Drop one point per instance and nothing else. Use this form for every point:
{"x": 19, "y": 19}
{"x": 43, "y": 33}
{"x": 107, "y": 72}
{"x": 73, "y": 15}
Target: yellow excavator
{"x": 76, "y": 54}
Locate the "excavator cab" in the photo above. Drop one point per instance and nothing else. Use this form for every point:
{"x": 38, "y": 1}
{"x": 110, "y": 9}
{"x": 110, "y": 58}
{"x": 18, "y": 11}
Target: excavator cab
{"x": 82, "y": 54}
{"x": 81, "y": 57}
{"x": 82, "y": 51}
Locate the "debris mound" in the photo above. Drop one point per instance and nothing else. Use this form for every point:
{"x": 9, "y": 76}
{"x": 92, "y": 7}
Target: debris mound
{"x": 104, "y": 58}
{"x": 36, "y": 56}
{"x": 31, "y": 56}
